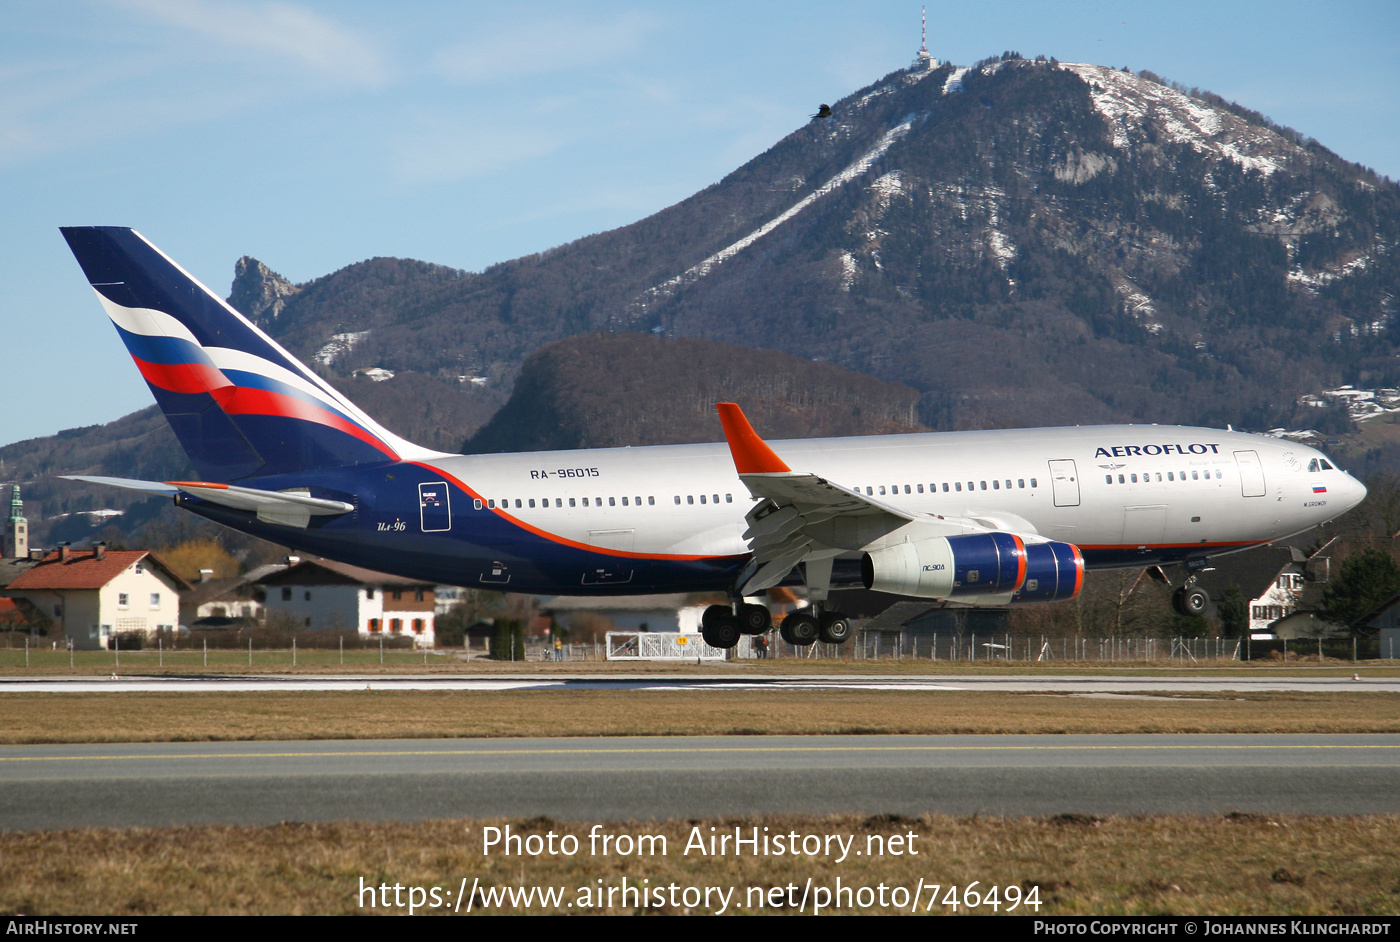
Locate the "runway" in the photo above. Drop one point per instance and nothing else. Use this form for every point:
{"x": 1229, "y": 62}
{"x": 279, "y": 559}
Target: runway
{"x": 1127, "y": 683}
{"x": 609, "y": 779}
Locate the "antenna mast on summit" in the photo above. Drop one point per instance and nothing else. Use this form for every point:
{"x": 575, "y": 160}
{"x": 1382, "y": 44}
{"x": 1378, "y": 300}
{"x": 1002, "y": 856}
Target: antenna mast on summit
{"x": 923, "y": 62}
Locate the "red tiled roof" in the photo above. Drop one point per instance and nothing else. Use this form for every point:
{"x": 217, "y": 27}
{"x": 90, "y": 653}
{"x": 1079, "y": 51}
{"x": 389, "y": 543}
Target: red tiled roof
{"x": 84, "y": 570}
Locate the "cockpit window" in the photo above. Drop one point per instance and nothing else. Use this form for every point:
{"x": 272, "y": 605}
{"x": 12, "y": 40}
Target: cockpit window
{"x": 1313, "y": 465}
{"x": 1326, "y": 466}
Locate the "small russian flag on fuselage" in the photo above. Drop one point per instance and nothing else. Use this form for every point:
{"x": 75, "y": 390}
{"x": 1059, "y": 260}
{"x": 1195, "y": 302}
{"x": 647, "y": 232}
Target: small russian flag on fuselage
{"x": 1319, "y": 489}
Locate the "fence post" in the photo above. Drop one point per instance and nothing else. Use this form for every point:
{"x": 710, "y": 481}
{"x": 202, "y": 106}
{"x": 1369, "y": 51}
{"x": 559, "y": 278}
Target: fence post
{"x": 160, "y": 649}
{"x": 206, "y": 652}
{"x": 342, "y": 648}
{"x": 116, "y": 649}
{"x": 250, "y": 651}
{"x": 294, "y": 649}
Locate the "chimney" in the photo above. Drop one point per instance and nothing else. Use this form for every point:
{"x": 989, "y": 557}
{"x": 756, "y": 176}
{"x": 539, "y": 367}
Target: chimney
{"x": 205, "y": 575}
{"x": 63, "y": 552}
{"x": 99, "y": 550}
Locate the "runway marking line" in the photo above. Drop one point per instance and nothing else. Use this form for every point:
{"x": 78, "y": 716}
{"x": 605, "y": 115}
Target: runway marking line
{"x": 662, "y": 751}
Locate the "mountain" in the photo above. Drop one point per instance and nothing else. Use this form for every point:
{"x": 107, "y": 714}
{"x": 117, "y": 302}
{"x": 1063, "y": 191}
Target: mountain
{"x": 1024, "y": 242}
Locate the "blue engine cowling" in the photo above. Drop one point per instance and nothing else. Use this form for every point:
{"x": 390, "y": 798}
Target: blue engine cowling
{"x": 1054, "y": 572}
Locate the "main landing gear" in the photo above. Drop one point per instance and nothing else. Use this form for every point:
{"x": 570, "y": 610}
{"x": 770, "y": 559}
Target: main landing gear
{"x": 721, "y": 626}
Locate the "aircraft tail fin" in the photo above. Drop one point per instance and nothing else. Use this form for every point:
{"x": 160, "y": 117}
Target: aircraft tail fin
{"x": 240, "y": 405}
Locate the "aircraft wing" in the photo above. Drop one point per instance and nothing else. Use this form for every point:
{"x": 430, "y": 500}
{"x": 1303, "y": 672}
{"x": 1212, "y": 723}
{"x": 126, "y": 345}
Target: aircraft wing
{"x": 291, "y": 508}
{"x": 802, "y": 516}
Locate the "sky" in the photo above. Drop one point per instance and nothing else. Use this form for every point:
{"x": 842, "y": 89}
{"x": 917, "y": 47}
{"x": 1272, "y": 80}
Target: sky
{"x": 313, "y": 135}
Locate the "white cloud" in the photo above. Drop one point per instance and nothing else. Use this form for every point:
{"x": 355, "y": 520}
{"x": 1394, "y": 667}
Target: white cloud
{"x": 290, "y": 32}
{"x": 543, "y": 45}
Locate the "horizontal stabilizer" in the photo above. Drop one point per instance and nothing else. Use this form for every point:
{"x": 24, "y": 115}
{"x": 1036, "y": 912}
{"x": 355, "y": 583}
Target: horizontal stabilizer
{"x": 290, "y": 508}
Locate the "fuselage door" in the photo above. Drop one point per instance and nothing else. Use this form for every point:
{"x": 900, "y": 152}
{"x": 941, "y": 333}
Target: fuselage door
{"x": 1251, "y": 473}
{"x": 1064, "y": 482}
{"x": 434, "y": 507}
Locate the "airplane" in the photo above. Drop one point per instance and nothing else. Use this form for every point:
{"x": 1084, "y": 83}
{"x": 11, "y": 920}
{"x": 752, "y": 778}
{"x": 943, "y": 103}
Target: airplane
{"x": 981, "y": 518}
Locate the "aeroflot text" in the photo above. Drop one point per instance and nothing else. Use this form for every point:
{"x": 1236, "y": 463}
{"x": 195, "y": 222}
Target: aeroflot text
{"x": 1129, "y": 451}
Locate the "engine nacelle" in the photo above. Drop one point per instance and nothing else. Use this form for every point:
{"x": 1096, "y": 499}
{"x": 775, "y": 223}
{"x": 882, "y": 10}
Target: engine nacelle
{"x": 977, "y": 569}
{"x": 975, "y": 564}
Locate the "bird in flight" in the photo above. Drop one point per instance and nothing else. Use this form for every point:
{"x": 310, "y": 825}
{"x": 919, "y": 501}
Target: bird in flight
{"x": 823, "y": 112}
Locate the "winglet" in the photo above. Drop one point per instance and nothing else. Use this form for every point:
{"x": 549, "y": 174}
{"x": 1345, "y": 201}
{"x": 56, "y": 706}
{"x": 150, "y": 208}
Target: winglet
{"x": 751, "y": 454}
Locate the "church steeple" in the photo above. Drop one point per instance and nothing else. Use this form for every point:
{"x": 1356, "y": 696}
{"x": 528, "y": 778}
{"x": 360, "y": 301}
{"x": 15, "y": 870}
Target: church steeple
{"x": 16, "y": 528}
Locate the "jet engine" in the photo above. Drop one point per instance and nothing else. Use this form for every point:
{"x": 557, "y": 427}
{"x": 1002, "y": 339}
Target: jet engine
{"x": 976, "y": 569}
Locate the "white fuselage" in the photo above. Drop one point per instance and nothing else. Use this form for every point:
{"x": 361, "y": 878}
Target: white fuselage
{"x": 1121, "y": 493}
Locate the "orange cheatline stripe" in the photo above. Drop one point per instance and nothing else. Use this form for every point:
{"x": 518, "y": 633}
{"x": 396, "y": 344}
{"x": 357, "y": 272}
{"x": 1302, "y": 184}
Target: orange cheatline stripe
{"x": 197, "y": 484}
{"x": 751, "y": 454}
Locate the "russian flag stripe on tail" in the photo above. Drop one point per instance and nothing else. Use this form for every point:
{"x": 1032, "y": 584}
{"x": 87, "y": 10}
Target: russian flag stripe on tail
{"x": 240, "y": 404}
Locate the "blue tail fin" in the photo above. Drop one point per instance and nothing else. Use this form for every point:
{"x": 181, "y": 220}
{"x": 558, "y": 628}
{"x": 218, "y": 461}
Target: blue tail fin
{"x": 240, "y": 405}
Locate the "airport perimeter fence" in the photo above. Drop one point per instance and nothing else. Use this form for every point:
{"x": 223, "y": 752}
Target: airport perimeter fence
{"x": 969, "y": 648}
{"x": 311, "y": 649}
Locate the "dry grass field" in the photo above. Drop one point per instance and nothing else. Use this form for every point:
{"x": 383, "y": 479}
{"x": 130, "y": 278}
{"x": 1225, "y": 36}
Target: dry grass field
{"x": 1073, "y": 865}
{"x": 372, "y": 714}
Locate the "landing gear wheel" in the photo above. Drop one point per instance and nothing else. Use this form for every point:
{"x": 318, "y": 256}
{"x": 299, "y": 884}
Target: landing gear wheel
{"x": 1191, "y": 600}
{"x": 722, "y": 631}
{"x": 799, "y": 629}
{"x": 715, "y": 612}
{"x": 754, "y": 619}
{"x": 835, "y": 628}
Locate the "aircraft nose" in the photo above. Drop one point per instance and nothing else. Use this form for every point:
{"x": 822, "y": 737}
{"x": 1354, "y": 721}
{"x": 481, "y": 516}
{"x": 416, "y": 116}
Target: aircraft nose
{"x": 1356, "y": 492}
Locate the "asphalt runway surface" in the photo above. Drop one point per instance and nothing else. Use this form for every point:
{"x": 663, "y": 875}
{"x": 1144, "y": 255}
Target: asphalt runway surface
{"x": 612, "y": 779}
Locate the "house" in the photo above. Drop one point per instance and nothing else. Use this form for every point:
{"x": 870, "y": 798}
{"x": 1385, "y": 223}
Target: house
{"x": 321, "y": 595}
{"x": 223, "y": 603}
{"x": 93, "y": 596}
{"x": 1280, "y": 585}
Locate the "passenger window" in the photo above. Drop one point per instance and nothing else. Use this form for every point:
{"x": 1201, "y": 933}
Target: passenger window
{"x": 906, "y": 489}
{"x": 624, "y": 501}
{"x": 945, "y": 487}
{"x": 1170, "y": 477}
{"x": 869, "y": 492}
{"x": 702, "y": 498}
{"x": 921, "y": 488}
{"x": 491, "y": 505}
{"x": 1033, "y": 484}
{"x": 1108, "y": 479}
{"x": 1195, "y": 475}
{"x": 558, "y": 502}
{"x": 532, "y": 503}
{"x": 652, "y": 501}
{"x": 1021, "y": 483}
{"x": 690, "y": 498}
{"x": 714, "y": 498}
{"x": 729, "y": 498}
{"x": 517, "y": 503}
{"x": 882, "y": 490}
{"x": 612, "y": 501}
{"x": 1134, "y": 478}
{"x": 678, "y": 498}
{"x": 571, "y": 502}
{"x": 958, "y": 485}
{"x": 1121, "y": 480}
{"x": 984, "y": 485}
{"x": 996, "y": 486}
{"x": 585, "y": 502}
